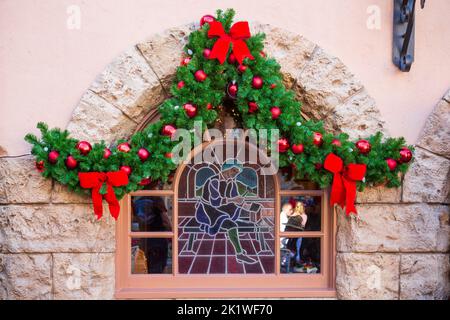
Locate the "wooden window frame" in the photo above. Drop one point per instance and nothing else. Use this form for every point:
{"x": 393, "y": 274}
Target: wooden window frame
{"x": 174, "y": 285}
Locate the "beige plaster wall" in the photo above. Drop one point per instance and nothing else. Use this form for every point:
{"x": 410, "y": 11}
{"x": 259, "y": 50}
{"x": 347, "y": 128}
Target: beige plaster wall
{"x": 45, "y": 66}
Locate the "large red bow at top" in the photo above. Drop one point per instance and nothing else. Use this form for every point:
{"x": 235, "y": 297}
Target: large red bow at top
{"x": 108, "y": 180}
{"x": 238, "y": 32}
{"x": 343, "y": 190}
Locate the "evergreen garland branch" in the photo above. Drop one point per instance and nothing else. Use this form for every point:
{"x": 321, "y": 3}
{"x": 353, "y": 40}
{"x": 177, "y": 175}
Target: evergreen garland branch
{"x": 212, "y": 92}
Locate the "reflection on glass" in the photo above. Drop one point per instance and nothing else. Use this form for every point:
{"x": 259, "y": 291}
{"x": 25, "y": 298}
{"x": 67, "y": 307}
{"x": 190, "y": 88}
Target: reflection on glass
{"x": 300, "y": 213}
{"x": 151, "y": 213}
{"x": 160, "y": 185}
{"x": 288, "y": 182}
{"x": 151, "y": 255}
{"x": 300, "y": 255}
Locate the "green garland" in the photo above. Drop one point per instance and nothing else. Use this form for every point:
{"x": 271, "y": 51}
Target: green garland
{"x": 212, "y": 92}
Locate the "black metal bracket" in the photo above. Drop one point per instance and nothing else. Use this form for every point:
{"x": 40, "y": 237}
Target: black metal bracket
{"x": 403, "y": 39}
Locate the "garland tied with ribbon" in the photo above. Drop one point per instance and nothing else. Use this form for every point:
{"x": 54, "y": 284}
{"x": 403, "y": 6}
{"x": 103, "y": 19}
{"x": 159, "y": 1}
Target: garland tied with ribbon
{"x": 102, "y": 185}
{"x": 238, "y": 33}
{"x": 222, "y": 61}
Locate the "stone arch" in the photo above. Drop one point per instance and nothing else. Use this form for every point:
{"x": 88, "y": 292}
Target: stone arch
{"x": 401, "y": 243}
{"x": 139, "y": 79}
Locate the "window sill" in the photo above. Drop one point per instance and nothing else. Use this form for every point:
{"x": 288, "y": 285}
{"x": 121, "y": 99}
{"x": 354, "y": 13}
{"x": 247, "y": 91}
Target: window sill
{"x": 174, "y": 293}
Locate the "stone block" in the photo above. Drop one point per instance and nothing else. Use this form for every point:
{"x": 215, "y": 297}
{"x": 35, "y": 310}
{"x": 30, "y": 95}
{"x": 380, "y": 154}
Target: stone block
{"x": 379, "y": 194}
{"x": 395, "y": 228}
{"x": 83, "y": 276}
{"x": 428, "y": 179}
{"x": 292, "y": 51}
{"x": 435, "y": 135}
{"x": 324, "y": 83}
{"x": 25, "y": 276}
{"x": 367, "y": 276}
{"x": 55, "y": 228}
{"x": 95, "y": 119}
{"x": 62, "y": 194}
{"x": 424, "y": 277}
{"x": 20, "y": 182}
{"x": 130, "y": 84}
{"x": 164, "y": 52}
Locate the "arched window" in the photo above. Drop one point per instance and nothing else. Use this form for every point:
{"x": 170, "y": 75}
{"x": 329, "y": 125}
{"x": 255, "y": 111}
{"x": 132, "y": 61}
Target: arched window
{"x": 226, "y": 229}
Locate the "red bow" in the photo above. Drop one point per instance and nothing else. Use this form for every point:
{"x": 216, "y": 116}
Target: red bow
{"x": 102, "y": 186}
{"x": 238, "y": 32}
{"x": 343, "y": 190}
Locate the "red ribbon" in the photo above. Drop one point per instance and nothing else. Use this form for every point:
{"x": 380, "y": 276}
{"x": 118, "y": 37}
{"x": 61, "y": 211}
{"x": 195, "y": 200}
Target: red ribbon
{"x": 95, "y": 180}
{"x": 238, "y": 33}
{"x": 343, "y": 189}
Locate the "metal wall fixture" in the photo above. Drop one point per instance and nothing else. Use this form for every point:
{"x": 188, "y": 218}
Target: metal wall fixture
{"x": 403, "y": 39}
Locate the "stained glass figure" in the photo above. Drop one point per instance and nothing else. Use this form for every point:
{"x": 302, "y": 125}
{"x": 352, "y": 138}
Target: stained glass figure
{"x": 226, "y": 225}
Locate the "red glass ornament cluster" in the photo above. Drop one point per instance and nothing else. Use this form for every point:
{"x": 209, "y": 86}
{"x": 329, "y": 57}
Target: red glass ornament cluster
{"x": 190, "y": 109}
{"x": 200, "y": 75}
{"x": 317, "y": 139}
{"x": 363, "y": 146}
{"x": 276, "y": 112}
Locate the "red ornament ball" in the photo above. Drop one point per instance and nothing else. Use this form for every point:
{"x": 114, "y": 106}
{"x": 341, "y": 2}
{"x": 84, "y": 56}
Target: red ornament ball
{"x": 84, "y": 147}
{"x": 336, "y": 143}
{"x": 168, "y": 130}
{"x": 206, "y": 53}
{"x": 200, "y": 75}
{"x": 283, "y": 145}
{"x": 124, "y": 147}
{"x": 71, "y": 162}
{"x": 191, "y": 110}
{"x": 363, "y": 146}
{"x": 185, "y": 61}
{"x": 391, "y": 163}
{"x": 206, "y": 19}
{"x": 276, "y": 112}
{"x": 298, "y": 148}
{"x": 317, "y": 139}
{"x": 180, "y": 85}
{"x": 318, "y": 166}
{"x": 209, "y": 106}
{"x": 273, "y": 86}
{"x": 405, "y": 155}
{"x": 40, "y": 165}
{"x": 143, "y": 154}
{"x": 126, "y": 169}
{"x": 232, "y": 90}
{"x": 242, "y": 68}
{"x": 145, "y": 182}
{"x": 252, "y": 107}
{"x": 53, "y": 156}
{"x": 231, "y": 58}
{"x": 257, "y": 82}
{"x": 106, "y": 153}
{"x": 168, "y": 155}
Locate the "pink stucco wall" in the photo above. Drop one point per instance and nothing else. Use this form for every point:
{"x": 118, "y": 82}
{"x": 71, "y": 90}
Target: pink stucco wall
{"x": 45, "y": 67}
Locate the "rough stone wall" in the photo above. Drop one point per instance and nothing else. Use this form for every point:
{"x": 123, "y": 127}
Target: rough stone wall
{"x": 52, "y": 247}
{"x": 400, "y": 247}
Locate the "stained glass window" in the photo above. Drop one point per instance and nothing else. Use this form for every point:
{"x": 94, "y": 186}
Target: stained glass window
{"x": 226, "y": 218}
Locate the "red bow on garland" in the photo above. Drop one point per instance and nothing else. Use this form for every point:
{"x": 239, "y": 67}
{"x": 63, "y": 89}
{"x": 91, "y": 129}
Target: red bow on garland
{"x": 238, "y": 32}
{"x": 102, "y": 185}
{"x": 343, "y": 189}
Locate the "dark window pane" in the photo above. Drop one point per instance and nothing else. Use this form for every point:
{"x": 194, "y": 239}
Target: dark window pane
{"x": 159, "y": 185}
{"x": 151, "y": 213}
{"x": 151, "y": 255}
{"x": 288, "y": 182}
{"x": 300, "y": 255}
{"x": 300, "y": 213}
